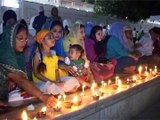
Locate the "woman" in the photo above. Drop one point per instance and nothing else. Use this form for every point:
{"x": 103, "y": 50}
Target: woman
{"x": 12, "y": 64}
{"x": 76, "y": 37}
{"x": 95, "y": 51}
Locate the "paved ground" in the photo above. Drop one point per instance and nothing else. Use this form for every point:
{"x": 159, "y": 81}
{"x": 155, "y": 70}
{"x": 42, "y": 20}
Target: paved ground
{"x": 151, "y": 113}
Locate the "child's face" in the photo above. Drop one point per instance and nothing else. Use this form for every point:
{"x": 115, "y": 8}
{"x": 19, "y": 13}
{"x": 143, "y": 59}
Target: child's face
{"x": 57, "y": 32}
{"x": 49, "y": 40}
{"x": 21, "y": 40}
{"x": 99, "y": 35}
{"x": 74, "y": 54}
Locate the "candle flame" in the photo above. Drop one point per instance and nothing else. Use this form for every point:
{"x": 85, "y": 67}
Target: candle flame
{"x": 59, "y": 97}
{"x": 58, "y": 105}
{"x": 140, "y": 69}
{"x": 75, "y": 99}
{"x": 44, "y": 109}
{"x": 109, "y": 82}
{"x": 64, "y": 97}
{"x": 24, "y": 115}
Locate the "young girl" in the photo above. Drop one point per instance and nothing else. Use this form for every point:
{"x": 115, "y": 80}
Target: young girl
{"x": 45, "y": 64}
{"x": 78, "y": 63}
{"x": 95, "y": 51}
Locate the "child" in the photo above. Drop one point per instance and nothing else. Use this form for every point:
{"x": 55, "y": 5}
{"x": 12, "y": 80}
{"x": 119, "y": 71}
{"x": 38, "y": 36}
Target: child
{"x": 45, "y": 64}
{"x": 78, "y": 63}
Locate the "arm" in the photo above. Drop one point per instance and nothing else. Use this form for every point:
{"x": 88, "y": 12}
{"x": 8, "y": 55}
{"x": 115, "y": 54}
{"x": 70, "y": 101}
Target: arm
{"x": 117, "y": 47}
{"x": 36, "y": 61}
{"x": 34, "y": 24}
{"x": 29, "y": 87}
{"x": 90, "y": 52}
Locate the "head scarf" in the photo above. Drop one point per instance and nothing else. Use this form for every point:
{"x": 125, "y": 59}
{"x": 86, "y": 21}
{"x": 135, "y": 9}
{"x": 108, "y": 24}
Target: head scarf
{"x": 8, "y": 15}
{"x": 88, "y": 28}
{"x": 41, "y": 35}
{"x": 58, "y": 47}
{"x": 128, "y": 43}
{"x": 117, "y": 31}
{"x": 7, "y": 49}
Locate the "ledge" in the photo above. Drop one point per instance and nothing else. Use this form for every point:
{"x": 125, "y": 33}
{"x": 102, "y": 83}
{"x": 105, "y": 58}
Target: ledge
{"x": 122, "y": 103}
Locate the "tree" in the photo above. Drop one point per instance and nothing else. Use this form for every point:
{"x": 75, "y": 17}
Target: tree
{"x": 133, "y": 10}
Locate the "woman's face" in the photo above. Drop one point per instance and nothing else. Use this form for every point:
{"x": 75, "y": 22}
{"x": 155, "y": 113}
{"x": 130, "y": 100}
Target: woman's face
{"x": 81, "y": 34}
{"x": 49, "y": 40}
{"x": 129, "y": 34}
{"x": 21, "y": 40}
{"x": 99, "y": 35}
{"x": 57, "y": 32}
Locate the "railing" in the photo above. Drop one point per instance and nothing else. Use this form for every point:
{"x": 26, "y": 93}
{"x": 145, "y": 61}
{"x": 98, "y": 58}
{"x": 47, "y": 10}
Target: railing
{"x": 66, "y": 3}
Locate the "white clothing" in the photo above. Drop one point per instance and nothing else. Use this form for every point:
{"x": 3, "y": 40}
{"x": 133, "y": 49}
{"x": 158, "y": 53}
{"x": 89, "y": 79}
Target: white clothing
{"x": 147, "y": 45}
{"x": 52, "y": 88}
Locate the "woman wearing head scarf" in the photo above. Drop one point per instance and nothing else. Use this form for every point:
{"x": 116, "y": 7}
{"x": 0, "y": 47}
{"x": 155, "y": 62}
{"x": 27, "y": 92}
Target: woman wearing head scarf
{"x": 124, "y": 35}
{"x": 76, "y": 36}
{"x": 12, "y": 65}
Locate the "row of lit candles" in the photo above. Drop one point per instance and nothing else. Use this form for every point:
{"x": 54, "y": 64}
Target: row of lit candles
{"x": 77, "y": 100}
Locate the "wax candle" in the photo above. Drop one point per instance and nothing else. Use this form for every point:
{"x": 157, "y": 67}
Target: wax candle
{"x": 58, "y": 106}
{"x": 140, "y": 70}
{"x": 24, "y": 115}
{"x": 95, "y": 96}
{"x": 76, "y": 101}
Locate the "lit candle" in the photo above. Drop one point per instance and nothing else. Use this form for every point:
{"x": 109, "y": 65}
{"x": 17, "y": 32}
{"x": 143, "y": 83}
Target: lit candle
{"x": 76, "y": 101}
{"x": 59, "y": 97}
{"x": 109, "y": 82}
{"x": 134, "y": 79}
{"x": 58, "y": 106}
{"x": 64, "y": 97}
{"x": 155, "y": 69}
{"x": 24, "y": 115}
{"x": 95, "y": 96}
{"x": 128, "y": 81}
{"x": 119, "y": 83}
{"x": 140, "y": 70}
{"x": 42, "y": 113}
{"x": 146, "y": 68}
{"x": 102, "y": 83}
{"x": 116, "y": 80}
{"x": 83, "y": 86}
{"x": 93, "y": 87}
{"x": 34, "y": 118}
{"x": 101, "y": 92}
{"x": 150, "y": 71}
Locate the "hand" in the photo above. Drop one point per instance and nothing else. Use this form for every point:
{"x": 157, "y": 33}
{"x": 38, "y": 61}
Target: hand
{"x": 84, "y": 71}
{"x": 11, "y": 85}
{"x": 109, "y": 65}
{"x": 51, "y": 102}
{"x": 70, "y": 70}
{"x": 135, "y": 58}
{"x": 137, "y": 45}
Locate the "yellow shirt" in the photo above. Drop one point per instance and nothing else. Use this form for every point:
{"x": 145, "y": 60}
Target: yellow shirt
{"x": 51, "y": 65}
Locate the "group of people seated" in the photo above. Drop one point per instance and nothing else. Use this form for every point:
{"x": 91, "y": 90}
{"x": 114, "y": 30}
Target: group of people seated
{"x": 58, "y": 64}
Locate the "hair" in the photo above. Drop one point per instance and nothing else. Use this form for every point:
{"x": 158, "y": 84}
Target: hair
{"x": 21, "y": 26}
{"x": 77, "y": 48}
{"x": 41, "y": 68}
{"x": 56, "y": 22}
{"x": 66, "y": 29}
{"x": 155, "y": 30}
{"x": 81, "y": 26}
{"x": 54, "y": 11}
{"x": 93, "y": 32}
